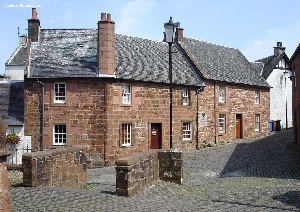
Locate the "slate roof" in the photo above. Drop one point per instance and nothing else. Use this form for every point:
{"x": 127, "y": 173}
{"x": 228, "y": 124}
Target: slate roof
{"x": 73, "y": 53}
{"x": 12, "y": 102}
{"x": 295, "y": 52}
{"x": 269, "y": 63}
{"x": 222, "y": 63}
{"x": 18, "y": 57}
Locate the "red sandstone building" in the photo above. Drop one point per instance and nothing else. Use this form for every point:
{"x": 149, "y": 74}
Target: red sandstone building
{"x": 295, "y": 62}
{"x": 109, "y": 93}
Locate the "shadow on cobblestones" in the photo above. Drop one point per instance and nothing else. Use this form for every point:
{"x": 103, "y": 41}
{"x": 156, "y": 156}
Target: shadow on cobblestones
{"x": 291, "y": 198}
{"x": 270, "y": 157}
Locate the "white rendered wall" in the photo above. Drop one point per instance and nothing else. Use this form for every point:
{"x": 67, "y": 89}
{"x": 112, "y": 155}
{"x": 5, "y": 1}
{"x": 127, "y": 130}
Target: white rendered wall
{"x": 280, "y": 94}
{"x": 14, "y": 72}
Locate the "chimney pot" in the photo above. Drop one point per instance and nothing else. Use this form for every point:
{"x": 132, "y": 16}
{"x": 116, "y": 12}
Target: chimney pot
{"x": 108, "y": 16}
{"x": 34, "y": 14}
{"x": 103, "y": 16}
{"x": 279, "y": 44}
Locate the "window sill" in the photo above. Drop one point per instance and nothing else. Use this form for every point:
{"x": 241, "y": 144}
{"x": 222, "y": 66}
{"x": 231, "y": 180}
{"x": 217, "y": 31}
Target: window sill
{"x": 126, "y": 146}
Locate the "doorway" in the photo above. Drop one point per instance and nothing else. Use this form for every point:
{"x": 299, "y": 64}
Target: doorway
{"x": 239, "y": 126}
{"x": 156, "y": 136}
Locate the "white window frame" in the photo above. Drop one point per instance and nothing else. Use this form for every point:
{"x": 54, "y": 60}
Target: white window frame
{"x": 126, "y": 134}
{"x": 187, "y": 131}
{"x": 257, "y": 97}
{"x": 59, "y": 135}
{"x": 185, "y": 97}
{"x": 126, "y": 94}
{"x": 222, "y": 123}
{"x": 59, "y": 95}
{"x": 257, "y": 122}
{"x": 222, "y": 94}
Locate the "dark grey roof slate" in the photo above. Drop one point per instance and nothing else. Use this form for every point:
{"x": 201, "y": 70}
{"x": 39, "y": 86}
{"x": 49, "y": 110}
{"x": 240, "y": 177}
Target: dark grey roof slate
{"x": 295, "y": 52}
{"x": 146, "y": 60}
{"x": 12, "y": 121}
{"x": 64, "y": 53}
{"x": 18, "y": 58}
{"x": 222, "y": 63}
{"x": 270, "y": 63}
{"x": 73, "y": 53}
{"x": 12, "y": 102}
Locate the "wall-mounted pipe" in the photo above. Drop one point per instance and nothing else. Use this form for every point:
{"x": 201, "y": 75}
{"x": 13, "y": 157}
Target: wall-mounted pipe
{"x": 42, "y": 118}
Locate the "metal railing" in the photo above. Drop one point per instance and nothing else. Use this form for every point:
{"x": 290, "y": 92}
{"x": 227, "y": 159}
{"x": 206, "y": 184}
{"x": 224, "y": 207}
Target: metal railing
{"x": 16, "y": 157}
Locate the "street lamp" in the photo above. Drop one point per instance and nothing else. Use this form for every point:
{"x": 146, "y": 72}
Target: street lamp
{"x": 170, "y": 29}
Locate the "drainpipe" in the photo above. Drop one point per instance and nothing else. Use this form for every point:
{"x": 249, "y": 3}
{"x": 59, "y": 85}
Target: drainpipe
{"x": 215, "y": 118}
{"x": 42, "y": 118}
{"x": 105, "y": 128}
{"x": 197, "y": 120}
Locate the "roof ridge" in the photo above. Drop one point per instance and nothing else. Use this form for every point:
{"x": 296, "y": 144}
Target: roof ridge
{"x": 140, "y": 38}
{"x": 212, "y": 43}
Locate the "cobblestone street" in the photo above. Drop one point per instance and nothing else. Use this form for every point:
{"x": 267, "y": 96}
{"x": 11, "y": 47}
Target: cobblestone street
{"x": 249, "y": 175}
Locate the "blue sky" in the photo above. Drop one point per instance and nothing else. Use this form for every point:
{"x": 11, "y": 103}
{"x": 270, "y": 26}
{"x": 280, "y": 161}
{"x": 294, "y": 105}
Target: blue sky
{"x": 252, "y": 26}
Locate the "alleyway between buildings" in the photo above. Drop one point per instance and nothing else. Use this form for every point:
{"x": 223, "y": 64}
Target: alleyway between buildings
{"x": 250, "y": 175}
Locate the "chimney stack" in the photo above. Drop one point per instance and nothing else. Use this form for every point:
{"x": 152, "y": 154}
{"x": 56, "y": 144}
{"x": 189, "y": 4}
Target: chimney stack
{"x": 179, "y": 33}
{"x": 106, "y": 45}
{"x": 33, "y": 27}
{"x": 279, "y": 49}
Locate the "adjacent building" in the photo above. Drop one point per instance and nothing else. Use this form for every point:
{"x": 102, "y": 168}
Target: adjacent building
{"x": 109, "y": 93}
{"x": 295, "y": 63}
{"x": 276, "y": 70}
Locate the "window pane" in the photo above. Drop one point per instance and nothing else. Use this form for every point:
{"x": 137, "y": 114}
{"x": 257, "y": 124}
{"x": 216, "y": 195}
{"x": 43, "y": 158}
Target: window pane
{"x": 222, "y": 94}
{"x": 126, "y": 134}
{"x": 185, "y": 96}
{"x": 59, "y": 92}
{"x": 222, "y": 122}
{"x": 187, "y": 131}
{"x": 59, "y": 134}
{"x": 126, "y": 94}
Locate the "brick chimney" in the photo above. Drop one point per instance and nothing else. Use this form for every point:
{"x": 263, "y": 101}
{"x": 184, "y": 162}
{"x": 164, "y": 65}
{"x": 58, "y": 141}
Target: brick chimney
{"x": 106, "y": 45}
{"x": 33, "y": 27}
{"x": 279, "y": 49}
{"x": 179, "y": 33}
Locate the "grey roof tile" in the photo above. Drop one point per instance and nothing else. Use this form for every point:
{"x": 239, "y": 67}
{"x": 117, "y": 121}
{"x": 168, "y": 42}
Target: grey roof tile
{"x": 270, "y": 63}
{"x": 18, "y": 57}
{"x": 12, "y": 102}
{"x": 73, "y": 53}
{"x": 222, "y": 63}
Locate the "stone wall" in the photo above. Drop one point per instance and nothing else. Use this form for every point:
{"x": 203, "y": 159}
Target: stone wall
{"x": 239, "y": 99}
{"x": 64, "y": 167}
{"x": 83, "y": 114}
{"x": 4, "y": 194}
{"x": 136, "y": 172}
{"x": 295, "y": 62}
{"x": 3, "y": 127}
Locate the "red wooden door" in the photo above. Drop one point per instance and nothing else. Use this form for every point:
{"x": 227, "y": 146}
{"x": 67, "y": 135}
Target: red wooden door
{"x": 155, "y": 142}
{"x": 238, "y": 127}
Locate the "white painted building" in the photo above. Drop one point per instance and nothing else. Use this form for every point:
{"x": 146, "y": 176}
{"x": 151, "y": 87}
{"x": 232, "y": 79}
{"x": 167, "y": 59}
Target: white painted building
{"x": 14, "y": 66}
{"x": 276, "y": 70}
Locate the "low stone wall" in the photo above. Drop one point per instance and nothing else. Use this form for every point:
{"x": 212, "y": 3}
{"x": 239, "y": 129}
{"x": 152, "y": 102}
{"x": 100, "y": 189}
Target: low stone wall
{"x": 64, "y": 167}
{"x": 170, "y": 166}
{"x": 4, "y": 194}
{"x": 140, "y": 170}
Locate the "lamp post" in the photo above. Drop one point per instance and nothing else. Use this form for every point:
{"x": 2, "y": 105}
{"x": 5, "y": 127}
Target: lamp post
{"x": 170, "y": 29}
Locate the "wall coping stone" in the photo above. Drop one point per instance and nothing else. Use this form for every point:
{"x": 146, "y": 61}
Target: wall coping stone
{"x": 51, "y": 152}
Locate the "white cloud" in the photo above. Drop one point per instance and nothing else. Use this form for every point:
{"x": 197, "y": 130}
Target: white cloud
{"x": 263, "y": 46}
{"x": 133, "y": 14}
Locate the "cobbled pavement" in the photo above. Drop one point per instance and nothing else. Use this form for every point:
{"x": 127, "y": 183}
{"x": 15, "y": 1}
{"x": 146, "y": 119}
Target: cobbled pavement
{"x": 249, "y": 175}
